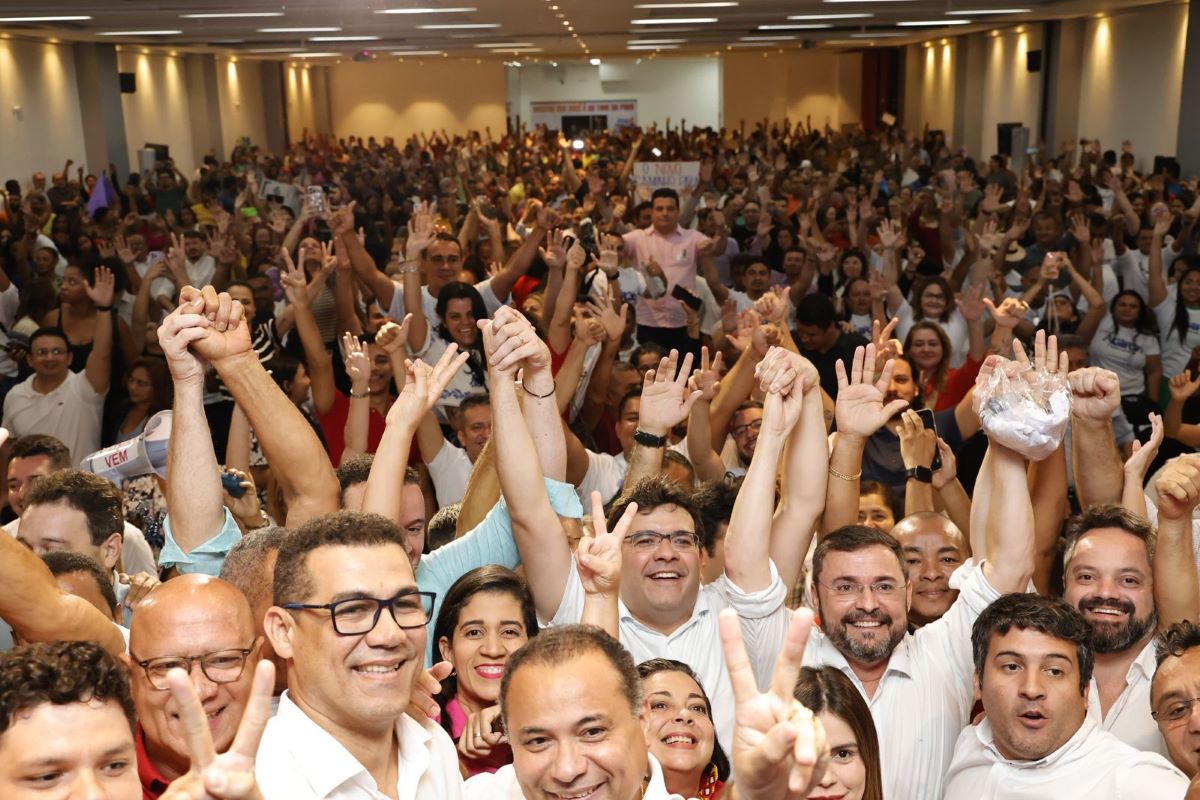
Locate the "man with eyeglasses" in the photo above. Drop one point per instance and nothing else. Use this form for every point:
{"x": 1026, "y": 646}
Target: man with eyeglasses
{"x": 203, "y": 626}
{"x": 1175, "y": 697}
{"x": 1033, "y": 664}
{"x": 351, "y": 624}
{"x": 56, "y": 401}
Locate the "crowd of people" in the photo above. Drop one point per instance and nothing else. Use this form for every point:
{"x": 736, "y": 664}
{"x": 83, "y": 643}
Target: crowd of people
{"x": 713, "y": 491}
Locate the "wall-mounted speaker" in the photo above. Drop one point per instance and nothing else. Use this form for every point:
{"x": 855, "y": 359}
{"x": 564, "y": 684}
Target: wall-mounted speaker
{"x": 1033, "y": 60}
{"x": 128, "y": 82}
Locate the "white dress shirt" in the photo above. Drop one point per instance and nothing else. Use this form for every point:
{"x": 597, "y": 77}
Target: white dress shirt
{"x": 300, "y": 760}
{"x": 1092, "y": 764}
{"x": 605, "y": 474}
{"x": 450, "y": 470}
{"x": 1129, "y": 717}
{"x": 502, "y": 785}
{"x": 697, "y": 642}
{"x": 926, "y": 694}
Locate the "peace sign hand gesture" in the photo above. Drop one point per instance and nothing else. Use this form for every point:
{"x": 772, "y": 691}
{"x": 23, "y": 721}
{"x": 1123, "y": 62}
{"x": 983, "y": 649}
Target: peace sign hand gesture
{"x": 598, "y": 554}
{"x": 230, "y": 775}
{"x": 779, "y": 746}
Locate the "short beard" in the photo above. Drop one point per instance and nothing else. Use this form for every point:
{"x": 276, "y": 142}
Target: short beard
{"x": 861, "y": 651}
{"x": 1113, "y": 639}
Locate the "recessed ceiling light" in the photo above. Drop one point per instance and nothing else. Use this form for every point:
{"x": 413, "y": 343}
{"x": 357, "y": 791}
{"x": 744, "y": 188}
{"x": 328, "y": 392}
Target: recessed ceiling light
{"x": 343, "y": 38}
{"x": 232, "y": 14}
{"x": 681, "y": 21}
{"x": 876, "y": 35}
{"x": 140, "y": 33}
{"x": 417, "y": 53}
{"x": 652, "y": 47}
{"x": 725, "y": 4}
{"x": 830, "y": 16}
{"x": 655, "y": 41}
{"x": 463, "y": 26}
{"x": 809, "y": 27}
{"x": 967, "y": 13}
{"x": 595, "y": 62}
{"x": 313, "y": 55}
{"x": 426, "y": 10}
{"x": 504, "y": 45}
{"x": 779, "y": 38}
{"x": 299, "y": 30}
{"x": 46, "y": 19}
{"x": 271, "y": 50}
{"x": 926, "y": 23}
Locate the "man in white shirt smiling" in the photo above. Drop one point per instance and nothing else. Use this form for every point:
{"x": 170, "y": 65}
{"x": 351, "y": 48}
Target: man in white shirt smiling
{"x": 1033, "y": 664}
{"x": 350, "y": 623}
{"x": 1174, "y": 695}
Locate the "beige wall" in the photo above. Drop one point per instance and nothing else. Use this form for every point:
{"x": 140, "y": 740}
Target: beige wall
{"x": 826, "y": 85}
{"x": 306, "y": 91}
{"x": 1011, "y": 93}
{"x": 48, "y": 129}
{"x": 400, "y": 98}
{"x": 157, "y": 112}
{"x": 930, "y": 68}
{"x": 1131, "y": 81}
{"x": 239, "y": 89}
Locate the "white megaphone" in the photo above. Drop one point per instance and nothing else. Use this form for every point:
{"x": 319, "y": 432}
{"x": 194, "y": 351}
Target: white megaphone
{"x": 140, "y": 455}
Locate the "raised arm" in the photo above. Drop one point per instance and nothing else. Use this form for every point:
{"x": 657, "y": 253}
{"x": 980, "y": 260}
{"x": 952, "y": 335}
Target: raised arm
{"x": 545, "y": 553}
{"x": 598, "y": 559}
{"x": 666, "y": 402}
{"x": 518, "y": 263}
{"x": 1182, "y": 387}
{"x": 805, "y": 475}
{"x": 194, "y": 495}
{"x": 98, "y": 369}
{"x": 1096, "y": 395}
{"x": 704, "y": 458}
{"x": 1133, "y": 494}
{"x": 1048, "y": 493}
{"x": 317, "y": 359}
{"x": 298, "y": 461}
{"x": 748, "y": 539}
{"x": 358, "y": 421}
{"x": 423, "y": 387}
{"x": 1176, "y": 589}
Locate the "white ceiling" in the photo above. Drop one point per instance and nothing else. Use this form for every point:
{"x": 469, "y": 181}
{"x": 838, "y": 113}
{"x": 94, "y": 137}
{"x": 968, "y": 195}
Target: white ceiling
{"x": 602, "y": 28}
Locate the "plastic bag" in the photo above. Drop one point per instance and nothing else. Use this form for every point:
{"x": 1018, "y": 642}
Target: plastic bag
{"x": 1027, "y": 414}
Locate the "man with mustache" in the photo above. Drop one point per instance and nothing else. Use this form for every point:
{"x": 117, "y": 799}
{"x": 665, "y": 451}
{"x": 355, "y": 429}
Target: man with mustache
{"x": 1033, "y": 670}
{"x": 918, "y": 685}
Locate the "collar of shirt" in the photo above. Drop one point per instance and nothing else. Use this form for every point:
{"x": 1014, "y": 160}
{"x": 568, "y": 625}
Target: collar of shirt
{"x": 332, "y": 765}
{"x": 699, "y": 611}
{"x": 1075, "y": 747}
{"x": 899, "y": 663}
{"x": 153, "y": 783}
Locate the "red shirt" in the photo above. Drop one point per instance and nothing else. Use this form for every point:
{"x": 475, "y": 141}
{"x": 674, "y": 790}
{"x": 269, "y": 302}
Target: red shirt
{"x": 153, "y": 783}
{"x": 333, "y": 423}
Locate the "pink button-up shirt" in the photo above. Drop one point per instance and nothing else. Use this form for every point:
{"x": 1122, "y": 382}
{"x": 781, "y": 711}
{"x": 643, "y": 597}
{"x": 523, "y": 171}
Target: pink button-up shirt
{"x": 676, "y": 254}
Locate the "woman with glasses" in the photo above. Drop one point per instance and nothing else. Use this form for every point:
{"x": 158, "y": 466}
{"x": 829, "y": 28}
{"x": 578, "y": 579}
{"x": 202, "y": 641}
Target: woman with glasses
{"x": 933, "y": 301}
{"x": 679, "y": 730}
{"x": 486, "y": 616}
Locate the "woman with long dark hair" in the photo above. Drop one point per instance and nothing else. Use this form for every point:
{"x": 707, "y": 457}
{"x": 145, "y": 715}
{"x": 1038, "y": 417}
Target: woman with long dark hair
{"x": 853, "y": 772}
{"x": 485, "y": 617}
{"x": 1126, "y": 342}
{"x": 460, "y": 307}
{"x": 679, "y": 730}
{"x": 148, "y": 390}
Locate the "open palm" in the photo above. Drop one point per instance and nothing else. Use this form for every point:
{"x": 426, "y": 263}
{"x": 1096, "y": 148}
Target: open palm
{"x": 860, "y": 409}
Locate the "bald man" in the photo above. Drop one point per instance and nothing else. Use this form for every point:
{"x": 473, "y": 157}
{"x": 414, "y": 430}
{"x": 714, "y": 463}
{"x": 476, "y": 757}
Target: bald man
{"x": 204, "y": 626}
{"x": 933, "y": 548}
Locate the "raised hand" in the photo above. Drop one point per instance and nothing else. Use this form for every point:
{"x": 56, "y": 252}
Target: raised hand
{"x": 1009, "y": 313}
{"x": 587, "y": 329}
{"x": 576, "y": 256}
{"x": 779, "y": 376}
{"x": 230, "y": 775}
{"x": 890, "y": 234}
{"x": 918, "y": 444}
{"x": 1080, "y": 229}
{"x": 554, "y": 254}
{"x": 859, "y": 409}
{"x": 358, "y": 366}
{"x": 598, "y": 555}
{"x": 1095, "y": 393}
{"x": 1178, "y": 487}
{"x": 423, "y": 386}
{"x": 184, "y": 325}
{"x": 707, "y": 379}
{"x": 666, "y": 400}
{"x": 124, "y": 251}
{"x": 247, "y": 506}
{"x": 779, "y": 746}
{"x": 1182, "y": 386}
{"x": 421, "y": 232}
{"x": 949, "y": 470}
{"x": 987, "y": 237}
{"x": 970, "y": 303}
{"x": 227, "y": 334}
{"x": 342, "y": 220}
{"x": 1143, "y": 454}
{"x": 392, "y": 338}
{"x": 482, "y": 732}
{"x": 102, "y": 288}
{"x": 295, "y": 283}
{"x": 510, "y": 342}
{"x": 604, "y": 312}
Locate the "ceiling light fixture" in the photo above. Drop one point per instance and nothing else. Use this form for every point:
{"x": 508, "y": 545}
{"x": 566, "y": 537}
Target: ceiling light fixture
{"x": 504, "y": 45}
{"x": 829, "y": 16}
{"x": 967, "y": 13}
{"x": 725, "y": 4}
{"x": 426, "y": 10}
{"x": 679, "y": 21}
{"x": 343, "y": 38}
{"x": 930, "y": 23}
{"x": 232, "y": 14}
{"x": 140, "y": 33}
{"x": 299, "y": 30}
{"x": 595, "y": 62}
{"x": 780, "y": 38}
{"x": 77, "y": 18}
{"x": 417, "y": 53}
{"x": 876, "y": 35}
{"x": 652, "y": 47}
{"x": 816, "y": 26}
{"x": 313, "y": 55}
{"x": 463, "y": 26}
{"x": 656, "y": 41}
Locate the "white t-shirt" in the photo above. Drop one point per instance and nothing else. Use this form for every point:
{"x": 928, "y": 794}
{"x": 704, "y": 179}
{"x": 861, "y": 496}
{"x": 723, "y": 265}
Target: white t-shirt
{"x": 1133, "y": 267}
{"x": 71, "y": 413}
{"x": 605, "y": 474}
{"x": 461, "y": 386}
{"x": 955, "y": 327}
{"x": 1123, "y": 350}
{"x": 1176, "y": 354}
{"x": 450, "y": 469}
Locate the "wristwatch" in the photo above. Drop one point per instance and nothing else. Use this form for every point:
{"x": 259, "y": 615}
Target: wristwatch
{"x": 649, "y": 439}
{"x": 922, "y": 474}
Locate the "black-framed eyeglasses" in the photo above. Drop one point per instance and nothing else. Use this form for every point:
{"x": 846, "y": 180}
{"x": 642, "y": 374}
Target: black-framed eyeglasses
{"x": 742, "y": 430}
{"x": 681, "y": 541}
{"x": 221, "y": 666}
{"x": 1175, "y": 711}
{"x": 356, "y": 616}
{"x": 846, "y": 589}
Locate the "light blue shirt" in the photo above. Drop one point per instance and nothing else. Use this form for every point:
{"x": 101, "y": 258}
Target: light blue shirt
{"x": 205, "y": 559}
{"x": 489, "y": 542}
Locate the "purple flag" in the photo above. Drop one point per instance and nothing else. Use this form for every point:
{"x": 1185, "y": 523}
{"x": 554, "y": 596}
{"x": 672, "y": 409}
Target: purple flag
{"x": 103, "y": 196}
